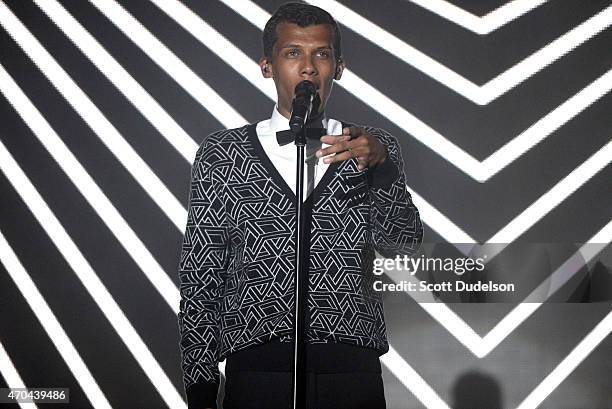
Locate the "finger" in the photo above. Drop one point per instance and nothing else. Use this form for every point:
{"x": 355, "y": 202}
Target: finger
{"x": 334, "y": 139}
{"x": 338, "y": 157}
{"x": 336, "y": 148}
{"x": 348, "y": 153}
{"x": 330, "y": 150}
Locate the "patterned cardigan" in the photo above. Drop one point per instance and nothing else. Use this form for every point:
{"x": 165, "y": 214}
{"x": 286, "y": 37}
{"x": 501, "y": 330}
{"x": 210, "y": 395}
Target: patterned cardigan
{"x": 237, "y": 261}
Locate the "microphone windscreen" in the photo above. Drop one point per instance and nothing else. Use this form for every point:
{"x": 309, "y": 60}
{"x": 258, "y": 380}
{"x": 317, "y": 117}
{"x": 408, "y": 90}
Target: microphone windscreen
{"x": 305, "y": 88}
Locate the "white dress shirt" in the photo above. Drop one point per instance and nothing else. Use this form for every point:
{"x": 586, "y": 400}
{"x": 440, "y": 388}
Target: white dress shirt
{"x": 284, "y": 157}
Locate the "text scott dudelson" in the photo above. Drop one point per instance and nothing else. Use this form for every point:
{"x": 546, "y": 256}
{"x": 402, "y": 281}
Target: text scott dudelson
{"x": 443, "y": 286}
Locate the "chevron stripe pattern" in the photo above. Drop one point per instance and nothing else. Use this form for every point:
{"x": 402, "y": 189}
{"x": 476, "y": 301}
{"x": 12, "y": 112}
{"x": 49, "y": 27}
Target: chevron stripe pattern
{"x": 502, "y": 113}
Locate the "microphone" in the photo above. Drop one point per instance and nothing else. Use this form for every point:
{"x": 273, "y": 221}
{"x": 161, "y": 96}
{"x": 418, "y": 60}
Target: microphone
{"x": 302, "y": 104}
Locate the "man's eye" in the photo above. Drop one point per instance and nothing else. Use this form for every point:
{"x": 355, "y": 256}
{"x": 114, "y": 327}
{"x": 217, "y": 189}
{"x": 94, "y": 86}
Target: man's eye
{"x": 324, "y": 53}
{"x": 292, "y": 53}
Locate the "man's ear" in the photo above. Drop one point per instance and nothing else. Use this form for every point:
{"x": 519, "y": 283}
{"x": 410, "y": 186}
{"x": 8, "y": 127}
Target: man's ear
{"x": 340, "y": 66}
{"x": 266, "y": 67}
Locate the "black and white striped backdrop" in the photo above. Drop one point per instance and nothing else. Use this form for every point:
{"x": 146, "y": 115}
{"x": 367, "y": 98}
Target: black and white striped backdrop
{"x": 503, "y": 112}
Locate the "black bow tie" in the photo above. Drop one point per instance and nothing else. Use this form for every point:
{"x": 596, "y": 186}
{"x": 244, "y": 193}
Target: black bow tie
{"x": 285, "y": 137}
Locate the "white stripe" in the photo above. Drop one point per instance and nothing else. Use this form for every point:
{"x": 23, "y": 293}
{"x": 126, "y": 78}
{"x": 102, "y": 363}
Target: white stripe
{"x": 604, "y": 236}
{"x": 172, "y": 65}
{"x": 455, "y": 325}
{"x": 480, "y": 25}
{"x": 545, "y": 126}
{"x": 569, "y": 364}
{"x": 90, "y": 190}
{"x": 412, "y": 380}
{"x": 121, "y": 79}
{"x": 218, "y": 44}
{"x": 553, "y": 197}
{"x": 49, "y": 322}
{"x": 79, "y": 101}
{"x": 545, "y": 56}
{"x": 92, "y": 283}
{"x": 11, "y": 376}
{"x": 495, "y": 87}
{"x": 251, "y": 11}
{"x": 438, "y": 221}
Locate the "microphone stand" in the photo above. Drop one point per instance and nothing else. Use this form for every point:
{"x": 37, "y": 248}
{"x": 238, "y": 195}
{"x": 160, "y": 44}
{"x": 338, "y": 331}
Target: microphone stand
{"x": 301, "y": 283}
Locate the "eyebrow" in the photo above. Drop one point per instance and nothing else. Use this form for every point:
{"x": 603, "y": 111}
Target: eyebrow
{"x": 323, "y": 47}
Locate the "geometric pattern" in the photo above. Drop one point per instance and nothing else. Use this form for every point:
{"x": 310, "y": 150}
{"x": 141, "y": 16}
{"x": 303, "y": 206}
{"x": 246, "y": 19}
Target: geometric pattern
{"x": 238, "y": 255}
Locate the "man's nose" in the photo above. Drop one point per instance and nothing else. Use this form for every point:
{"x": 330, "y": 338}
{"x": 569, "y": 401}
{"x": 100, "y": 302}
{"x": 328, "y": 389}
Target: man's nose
{"x": 308, "y": 67}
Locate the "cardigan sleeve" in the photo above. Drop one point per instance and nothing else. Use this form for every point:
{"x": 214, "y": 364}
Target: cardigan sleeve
{"x": 397, "y": 227}
{"x": 202, "y": 268}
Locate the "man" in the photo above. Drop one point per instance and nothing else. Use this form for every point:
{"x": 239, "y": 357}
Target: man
{"x": 237, "y": 263}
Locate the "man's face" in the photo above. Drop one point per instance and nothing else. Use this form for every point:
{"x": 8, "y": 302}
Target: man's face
{"x": 302, "y": 53}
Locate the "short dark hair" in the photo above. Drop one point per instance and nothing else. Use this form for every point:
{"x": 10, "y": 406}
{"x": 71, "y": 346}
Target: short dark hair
{"x": 304, "y": 15}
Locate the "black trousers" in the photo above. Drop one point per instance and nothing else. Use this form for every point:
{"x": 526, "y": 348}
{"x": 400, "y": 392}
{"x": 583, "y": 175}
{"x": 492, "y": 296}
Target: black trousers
{"x": 272, "y": 390}
{"x": 339, "y": 377}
